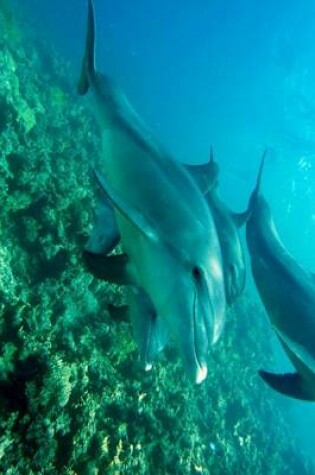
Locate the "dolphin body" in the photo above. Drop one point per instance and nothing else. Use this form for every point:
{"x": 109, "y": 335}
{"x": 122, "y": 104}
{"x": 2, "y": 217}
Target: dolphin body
{"x": 227, "y": 224}
{"x": 288, "y": 294}
{"x": 166, "y": 228}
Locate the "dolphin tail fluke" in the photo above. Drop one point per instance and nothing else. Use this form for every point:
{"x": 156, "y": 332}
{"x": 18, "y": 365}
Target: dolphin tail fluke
{"x": 114, "y": 269}
{"x": 289, "y": 384}
{"x": 88, "y": 63}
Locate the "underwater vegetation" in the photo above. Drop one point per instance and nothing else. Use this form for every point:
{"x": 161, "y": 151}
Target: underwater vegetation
{"x": 74, "y": 399}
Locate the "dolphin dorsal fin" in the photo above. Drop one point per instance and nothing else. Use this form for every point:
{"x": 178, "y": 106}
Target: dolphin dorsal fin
{"x": 88, "y": 62}
{"x": 206, "y": 174}
{"x": 240, "y": 218}
{"x": 130, "y": 212}
{"x": 256, "y": 190}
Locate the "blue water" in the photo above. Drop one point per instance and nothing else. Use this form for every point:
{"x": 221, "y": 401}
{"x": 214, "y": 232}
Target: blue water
{"x": 238, "y": 75}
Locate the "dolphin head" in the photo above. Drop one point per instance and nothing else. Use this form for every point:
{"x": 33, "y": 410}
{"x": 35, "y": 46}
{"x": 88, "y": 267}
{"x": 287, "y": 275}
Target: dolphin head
{"x": 193, "y": 303}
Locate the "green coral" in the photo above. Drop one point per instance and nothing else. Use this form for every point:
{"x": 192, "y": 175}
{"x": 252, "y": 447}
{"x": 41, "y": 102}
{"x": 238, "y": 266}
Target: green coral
{"x": 26, "y": 116}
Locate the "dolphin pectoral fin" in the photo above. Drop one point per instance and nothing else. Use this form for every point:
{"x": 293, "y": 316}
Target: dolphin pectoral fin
{"x": 149, "y": 330}
{"x": 130, "y": 212}
{"x": 114, "y": 269}
{"x": 105, "y": 234}
{"x": 289, "y": 384}
{"x": 159, "y": 337}
{"x": 88, "y": 66}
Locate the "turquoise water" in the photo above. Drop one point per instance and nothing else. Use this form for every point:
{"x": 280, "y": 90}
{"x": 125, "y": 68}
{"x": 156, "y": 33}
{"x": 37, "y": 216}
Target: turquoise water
{"x": 74, "y": 398}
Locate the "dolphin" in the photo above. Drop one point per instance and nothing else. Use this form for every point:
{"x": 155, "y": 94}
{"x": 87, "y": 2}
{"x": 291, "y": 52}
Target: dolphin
{"x": 227, "y": 225}
{"x": 287, "y": 291}
{"x": 164, "y": 223}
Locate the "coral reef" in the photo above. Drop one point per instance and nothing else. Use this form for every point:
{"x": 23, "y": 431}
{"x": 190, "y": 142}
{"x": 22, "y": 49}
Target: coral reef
{"x": 74, "y": 399}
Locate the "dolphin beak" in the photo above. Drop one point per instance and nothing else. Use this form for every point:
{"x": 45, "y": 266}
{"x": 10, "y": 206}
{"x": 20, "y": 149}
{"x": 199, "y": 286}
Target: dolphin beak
{"x": 201, "y": 374}
{"x": 208, "y": 321}
{"x": 201, "y": 340}
{"x": 193, "y": 341}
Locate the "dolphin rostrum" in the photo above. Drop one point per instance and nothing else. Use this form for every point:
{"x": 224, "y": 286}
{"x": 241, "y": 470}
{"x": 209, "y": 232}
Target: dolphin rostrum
{"x": 165, "y": 225}
{"x": 288, "y": 294}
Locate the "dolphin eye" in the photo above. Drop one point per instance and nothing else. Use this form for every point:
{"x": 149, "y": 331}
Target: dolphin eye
{"x": 196, "y": 272}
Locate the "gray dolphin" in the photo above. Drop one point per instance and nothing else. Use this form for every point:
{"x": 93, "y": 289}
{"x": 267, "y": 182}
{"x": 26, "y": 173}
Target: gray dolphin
{"x": 165, "y": 225}
{"x": 227, "y": 224}
{"x": 288, "y": 294}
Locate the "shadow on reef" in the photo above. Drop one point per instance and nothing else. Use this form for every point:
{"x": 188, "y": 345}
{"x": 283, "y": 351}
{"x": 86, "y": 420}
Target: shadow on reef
{"x": 13, "y": 395}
